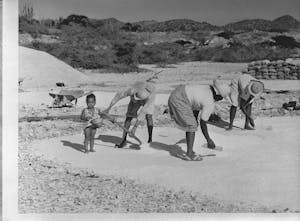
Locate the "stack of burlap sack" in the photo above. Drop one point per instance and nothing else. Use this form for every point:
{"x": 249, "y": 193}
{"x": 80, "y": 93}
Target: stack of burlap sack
{"x": 272, "y": 70}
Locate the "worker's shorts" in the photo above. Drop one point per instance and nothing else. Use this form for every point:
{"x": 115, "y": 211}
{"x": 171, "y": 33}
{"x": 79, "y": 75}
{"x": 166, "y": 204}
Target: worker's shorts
{"x": 134, "y": 106}
{"x": 181, "y": 110}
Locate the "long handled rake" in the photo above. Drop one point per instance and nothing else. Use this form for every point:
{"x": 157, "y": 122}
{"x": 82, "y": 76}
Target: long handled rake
{"x": 112, "y": 120}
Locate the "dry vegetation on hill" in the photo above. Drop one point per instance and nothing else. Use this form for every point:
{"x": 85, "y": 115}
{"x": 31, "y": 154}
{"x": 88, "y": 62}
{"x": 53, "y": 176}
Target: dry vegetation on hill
{"x": 116, "y": 46}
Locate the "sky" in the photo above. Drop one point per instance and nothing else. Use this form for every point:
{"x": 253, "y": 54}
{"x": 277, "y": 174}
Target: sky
{"x": 217, "y": 12}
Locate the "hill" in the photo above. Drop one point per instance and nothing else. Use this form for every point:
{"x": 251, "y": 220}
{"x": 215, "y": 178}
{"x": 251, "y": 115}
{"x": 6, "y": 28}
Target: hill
{"x": 286, "y": 22}
{"x": 112, "y": 45}
{"x": 180, "y": 25}
{"x": 249, "y": 25}
{"x": 112, "y": 21}
{"x": 145, "y": 23}
{"x": 107, "y": 22}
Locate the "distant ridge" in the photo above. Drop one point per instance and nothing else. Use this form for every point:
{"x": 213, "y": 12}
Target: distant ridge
{"x": 145, "y": 22}
{"x": 250, "y": 24}
{"x": 284, "y": 22}
{"x": 181, "y": 25}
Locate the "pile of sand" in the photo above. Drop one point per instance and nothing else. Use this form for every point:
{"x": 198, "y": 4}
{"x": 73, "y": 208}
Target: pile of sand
{"x": 42, "y": 70}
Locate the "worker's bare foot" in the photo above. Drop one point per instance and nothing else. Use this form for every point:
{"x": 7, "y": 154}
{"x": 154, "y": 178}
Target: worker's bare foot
{"x": 86, "y": 151}
{"x": 121, "y": 145}
{"x": 229, "y": 127}
{"x": 92, "y": 150}
{"x": 247, "y": 127}
{"x": 192, "y": 157}
{"x": 149, "y": 140}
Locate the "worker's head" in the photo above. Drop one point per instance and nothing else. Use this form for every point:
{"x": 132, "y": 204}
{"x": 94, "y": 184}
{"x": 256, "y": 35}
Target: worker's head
{"x": 90, "y": 100}
{"x": 222, "y": 88}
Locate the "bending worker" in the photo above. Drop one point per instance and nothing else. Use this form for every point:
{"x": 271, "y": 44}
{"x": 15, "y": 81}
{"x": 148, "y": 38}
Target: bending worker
{"x": 242, "y": 92}
{"x": 142, "y": 94}
{"x": 184, "y": 103}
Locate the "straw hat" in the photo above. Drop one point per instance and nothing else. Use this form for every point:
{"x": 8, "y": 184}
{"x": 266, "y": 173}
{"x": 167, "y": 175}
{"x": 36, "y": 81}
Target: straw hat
{"x": 141, "y": 95}
{"x": 142, "y": 90}
{"x": 222, "y": 88}
{"x": 255, "y": 88}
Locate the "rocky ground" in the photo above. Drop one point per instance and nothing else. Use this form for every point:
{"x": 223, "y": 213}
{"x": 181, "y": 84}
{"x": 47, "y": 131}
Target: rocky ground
{"x": 270, "y": 107}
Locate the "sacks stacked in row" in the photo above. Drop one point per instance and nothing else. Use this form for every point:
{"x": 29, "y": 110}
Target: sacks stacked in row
{"x": 273, "y": 70}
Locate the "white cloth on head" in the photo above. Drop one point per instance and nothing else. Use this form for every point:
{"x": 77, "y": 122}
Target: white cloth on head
{"x": 201, "y": 98}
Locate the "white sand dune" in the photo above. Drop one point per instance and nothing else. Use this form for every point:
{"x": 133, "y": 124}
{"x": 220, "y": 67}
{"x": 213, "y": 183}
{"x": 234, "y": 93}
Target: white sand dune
{"x": 40, "y": 69}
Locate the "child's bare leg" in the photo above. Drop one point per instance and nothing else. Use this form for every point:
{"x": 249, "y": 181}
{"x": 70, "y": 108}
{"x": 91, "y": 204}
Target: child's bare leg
{"x": 92, "y": 138}
{"x": 86, "y": 139}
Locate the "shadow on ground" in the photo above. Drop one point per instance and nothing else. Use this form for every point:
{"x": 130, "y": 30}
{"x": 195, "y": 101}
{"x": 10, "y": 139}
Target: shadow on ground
{"x": 221, "y": 124}
{"x": 116, "y": 140}
{"x": 76, "y": 146}
{"x": 173, "y": 149}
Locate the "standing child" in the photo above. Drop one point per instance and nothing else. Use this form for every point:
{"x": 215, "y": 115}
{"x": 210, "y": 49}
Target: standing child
{"x": 90, "y": 114}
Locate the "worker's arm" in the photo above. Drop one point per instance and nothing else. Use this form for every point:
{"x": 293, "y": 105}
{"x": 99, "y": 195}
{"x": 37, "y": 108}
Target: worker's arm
{"x": 210, "y": 142}
{"x": 119, "y": 96}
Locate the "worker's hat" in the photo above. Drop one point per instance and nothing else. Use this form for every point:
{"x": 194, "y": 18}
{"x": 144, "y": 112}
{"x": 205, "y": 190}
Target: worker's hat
{"x": 255, "y": 88}
{"x": 141, "y": 95}
{"x": 142, "y": 90}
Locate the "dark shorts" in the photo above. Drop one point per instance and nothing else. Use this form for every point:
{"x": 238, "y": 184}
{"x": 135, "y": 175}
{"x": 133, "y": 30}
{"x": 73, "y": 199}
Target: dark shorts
{"x": 133, "y": 107}
{"x": 181, "y": 110}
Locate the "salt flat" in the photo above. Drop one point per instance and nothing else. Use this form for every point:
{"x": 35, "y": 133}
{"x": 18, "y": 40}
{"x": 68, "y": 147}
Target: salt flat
{"x": 260, "y": 166}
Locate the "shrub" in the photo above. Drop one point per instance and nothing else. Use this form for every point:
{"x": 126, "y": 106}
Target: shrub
{"x": 286, "y": 41}
{"x": 242, "y": 53}
{"x": 78, "y": 57}
{"x": 125, "y": 53}
{"x": 226, "y": 34}
{"x": 278, "y": 30}
{"x": 131, "y": 28}
{"x": 160, "y": 53}
{"x": 85, "y": 48}
{"x": 77, "y": 19}
{"x": 200, "y": 36}
{"x": 49, "y": 23}
{"x": 32, "y": 27}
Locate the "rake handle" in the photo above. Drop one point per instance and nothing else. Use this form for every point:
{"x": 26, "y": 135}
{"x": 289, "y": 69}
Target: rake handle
{"x": 112, "y": 120}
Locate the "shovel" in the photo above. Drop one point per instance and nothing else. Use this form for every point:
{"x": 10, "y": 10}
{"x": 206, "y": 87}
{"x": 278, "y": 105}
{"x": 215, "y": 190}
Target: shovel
{"x": 112, "y": 120}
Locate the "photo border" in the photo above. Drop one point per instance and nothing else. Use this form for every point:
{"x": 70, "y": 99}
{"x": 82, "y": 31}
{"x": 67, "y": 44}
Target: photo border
{"x": 10, "y": 147}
